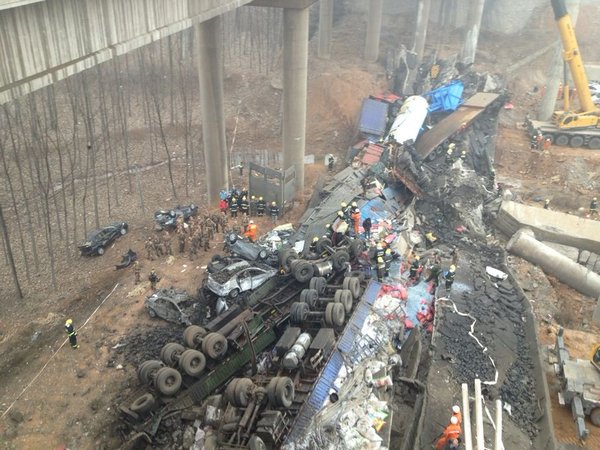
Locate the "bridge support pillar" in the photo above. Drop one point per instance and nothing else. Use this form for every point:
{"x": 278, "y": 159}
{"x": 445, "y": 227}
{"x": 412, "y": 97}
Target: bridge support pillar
{"x": 423, "y": 11}
{"x": 373, "y": 30}
{"x": 295, "y": 73}
{"x": 210, "y": 73}
{"x": 325, "y": 26}
{"x": 472, "y": 33}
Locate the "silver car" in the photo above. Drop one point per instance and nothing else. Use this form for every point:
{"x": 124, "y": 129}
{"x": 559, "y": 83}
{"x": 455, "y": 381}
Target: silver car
{"x": 239, "y": 277}
{"x": 171, "y": 305}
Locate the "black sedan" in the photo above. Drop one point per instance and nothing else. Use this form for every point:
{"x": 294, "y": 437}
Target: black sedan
{"x": 168, "y": 218}
{"x": 99, "y": 239}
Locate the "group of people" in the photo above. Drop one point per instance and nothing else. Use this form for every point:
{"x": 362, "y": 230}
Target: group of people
{"x": 450, "y": 438}
{"x": 539, "y": 142}
{"x": 434, "y": 270}
{"x": 241, "y": 202}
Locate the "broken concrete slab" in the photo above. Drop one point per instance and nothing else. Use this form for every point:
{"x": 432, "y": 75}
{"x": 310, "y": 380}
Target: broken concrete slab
{"x": 549, "y": 225}
{"x": 570, "y": 252}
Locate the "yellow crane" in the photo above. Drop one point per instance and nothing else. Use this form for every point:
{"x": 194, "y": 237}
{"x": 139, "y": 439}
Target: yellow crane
{"x": 576, "y": 128}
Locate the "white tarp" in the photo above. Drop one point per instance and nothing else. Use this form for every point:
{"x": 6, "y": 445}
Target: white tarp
{"x": 409, "y": 120}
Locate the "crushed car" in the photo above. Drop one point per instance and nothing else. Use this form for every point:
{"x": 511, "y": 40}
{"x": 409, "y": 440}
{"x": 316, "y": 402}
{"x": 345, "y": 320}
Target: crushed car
{"x": 168, "y": 218}
{"x": 99, "y": 239}
{"x": 241, "y": 276}
{"x": 245, "y": 249}
{"x": 172, "y": 305}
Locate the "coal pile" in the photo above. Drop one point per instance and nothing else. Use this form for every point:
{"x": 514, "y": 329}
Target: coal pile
{"x": 144, "y": 345}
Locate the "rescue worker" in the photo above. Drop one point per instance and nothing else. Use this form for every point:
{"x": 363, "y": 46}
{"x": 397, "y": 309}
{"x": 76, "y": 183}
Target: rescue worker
{"x": 450, "y": 153}
{"x": 388, "y": 257}
{"x": 158, "y": 247}
{"x": 181, "y": 240}
{"x": 430, "y": 239}
{"x": 153, "y": 278}
{"x": 166, "y": 243}
{"x": 547, "y": 203}
{"x": 414, "y": 268}
{"x": 252, "y": 205}
{"x": 251, "y": 231}
{"x": 313, "y": 245}
{"x": 137, "y": 272}
{"x": 328, "y": 231}
{"x": 451, "y": 433}
{"x": 456, "y": 413}
{"x": 380, "y": 268}
{"x": 356, "y": 220}
{"x": 330, "y": 163}
{"x": 379, "y": 250}
{"x": 274, "y": 212}
{"x": 539, "y": 140}
{"x": 261, "y": 206}
{"x": 70, "y": 330}
{"x": 241, "y": 167}
{"x": 223, "y": 205}
{"x": 449, "y": 277}
{"x": 547, "y": 144}
{"x": 245, "y": 206}
{"x": 367, "y": 227}
{"x": 233, "y": 208}
{"x": 533, "y": 142}
{"x": 149, "y": 246}
{"x": 594, "y": 207}
{"x": 341, "y": 216}
{"x": 434, "y": 274}
{"x": 463, "y": 155}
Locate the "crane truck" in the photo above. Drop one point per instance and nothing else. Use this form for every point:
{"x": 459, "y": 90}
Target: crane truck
{"x": 575, "y": 128}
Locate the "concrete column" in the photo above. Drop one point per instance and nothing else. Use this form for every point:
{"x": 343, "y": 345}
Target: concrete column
{"x": 472, "y": 34}
{"x": 373, "y": 30}
{"x": 210, "y": 73}
{"x": 325, "y": 25}
{"x": 423, "y": 11}
{"x": 556, "y": 70}
{"x": 295, "y": 73}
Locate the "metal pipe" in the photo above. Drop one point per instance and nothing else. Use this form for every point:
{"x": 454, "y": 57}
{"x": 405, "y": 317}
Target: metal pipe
{"x": 479, "y": 415}
{"x": 466, "y": 418}
{"x": 499, "y": 445}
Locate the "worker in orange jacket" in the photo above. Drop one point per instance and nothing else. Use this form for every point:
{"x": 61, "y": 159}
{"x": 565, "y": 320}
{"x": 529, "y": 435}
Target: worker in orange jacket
{"x": 251, "y": 231}
{"x": 356, "y": 219}
{"x": 451, "y": 434}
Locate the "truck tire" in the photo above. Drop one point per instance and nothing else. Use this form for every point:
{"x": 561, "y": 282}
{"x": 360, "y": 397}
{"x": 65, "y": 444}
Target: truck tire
{"x": 339, "y": 260}
{"x": 271, "y": 387}
{"x": 303, "y": 271}
{"x": 192, "y": 362}
{"x": 234, "y": 293}
{"x": 594, "y": 143}
{"x": 230, "y": 391}
{"x": 232, "y": 238}
{"x": 562, "y": 140}
{"x": 344, "y": 297}
{"x": 214, "y": 345}
{"x": 143, "y": 404}
{"x": 286, "y": 257}
{"x": 309, "y": 296}
{"x": 359, "y": 274}
{"x": 353, "y": 285}
{"x": 216, "y": 258}
{"x": 298, "y": 313}
{"x": 318, "y": 284}
{"x": 256, "y": 443}
{"x": 192, "y": 335}
{"x": 167, "y": 381}
{"x": 242, "y": 392}
{"x": 146, "y": 368}
{"x": 576, "y": 141}
{"x": 100, "y": 251}
{"x": 335, "y": 314}
{"x": 595, "y": 416}
{"x": 323, "y": 244}
{"x": 357, "y": 246}
{"x": 284, "y": 392}
{"x": 169, "y": 354}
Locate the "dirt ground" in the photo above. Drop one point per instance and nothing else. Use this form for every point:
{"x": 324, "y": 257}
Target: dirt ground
{"x": 59, "y": 397}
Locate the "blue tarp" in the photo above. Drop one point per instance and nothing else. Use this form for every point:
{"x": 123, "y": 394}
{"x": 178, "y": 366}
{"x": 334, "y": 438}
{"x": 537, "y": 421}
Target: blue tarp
{"x": 445, "y": 98}
{"x": 373, "y": 118}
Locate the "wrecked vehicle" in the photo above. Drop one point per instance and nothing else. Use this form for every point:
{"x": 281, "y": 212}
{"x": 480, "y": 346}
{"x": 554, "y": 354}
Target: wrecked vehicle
{"x": 168, "y": 218}
{"x": 127, "y": 259}
{"x": 244, "y": 248}
{"x": 98, "y": 240}
{"x": 171, "y": 305}
{"x": 239, "y": 277}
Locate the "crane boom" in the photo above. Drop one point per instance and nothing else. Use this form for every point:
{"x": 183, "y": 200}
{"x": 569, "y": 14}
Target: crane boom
{"x": 572, "y": 56}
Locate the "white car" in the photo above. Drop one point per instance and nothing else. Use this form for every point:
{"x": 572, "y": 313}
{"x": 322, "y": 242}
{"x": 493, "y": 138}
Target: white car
{"x": 238, "y": 277}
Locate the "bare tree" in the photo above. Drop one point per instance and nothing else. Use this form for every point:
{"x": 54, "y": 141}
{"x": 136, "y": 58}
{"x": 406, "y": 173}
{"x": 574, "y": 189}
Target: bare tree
{"x": 9, "y": 253}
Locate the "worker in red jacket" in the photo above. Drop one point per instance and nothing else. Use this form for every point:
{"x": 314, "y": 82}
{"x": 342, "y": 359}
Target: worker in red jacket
{"x": 450, "y": 436}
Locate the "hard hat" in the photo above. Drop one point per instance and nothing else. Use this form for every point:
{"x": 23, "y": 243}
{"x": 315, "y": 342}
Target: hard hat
{"x": 260, "y": 198}
{"x": 273, "y": 203}
{"x": 315, "y": 239}
{"x": 233, "y": 199}
{"x": 328, "y": 225}
{"x": 244, "y": 197}
{"x": 253, "y": 197}
{"x": 417, "y": 257}
{"x": 69, "y": 322}
{"x": 452, "y": 269}
{"x": 456, "y": 409}
{"x": 449, "y": 151}
{"x": 379, "y": 259}
{"x": 453, "y": 420}
{"x": 594, "y": 199}
{"x": 343, "y": 204}
{"x": 340, "y": 213}
{"x": 464, "y": 152}
{"x": 354, "y": 205}
{"x": 356, "y": 210}
{"x": 388, "y": 251}
{"x": 252, "y": 221}
{"x": 547, "y": 200}
{"x": 452, "y": 145}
